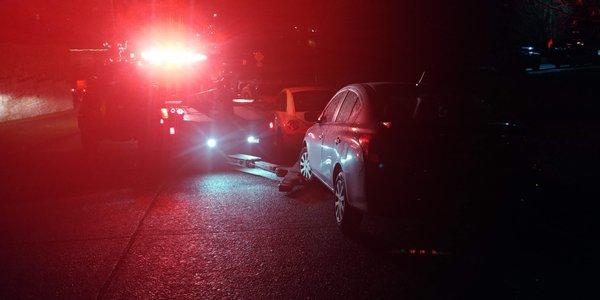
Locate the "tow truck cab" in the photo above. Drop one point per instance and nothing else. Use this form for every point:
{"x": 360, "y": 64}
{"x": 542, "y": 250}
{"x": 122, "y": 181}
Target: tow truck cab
{"x": 122, "y": 104}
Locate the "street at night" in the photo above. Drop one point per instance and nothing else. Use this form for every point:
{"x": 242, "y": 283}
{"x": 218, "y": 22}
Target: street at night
{"x": 196, "y": 233}
{"x": 299, "y": 149}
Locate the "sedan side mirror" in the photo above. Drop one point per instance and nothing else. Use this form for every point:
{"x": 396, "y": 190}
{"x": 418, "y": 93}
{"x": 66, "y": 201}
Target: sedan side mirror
{"x": 320, "y": 120}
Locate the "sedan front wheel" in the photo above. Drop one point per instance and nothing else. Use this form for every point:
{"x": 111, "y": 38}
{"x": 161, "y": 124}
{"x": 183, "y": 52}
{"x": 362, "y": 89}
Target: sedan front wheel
{"x": 305, "y": 169}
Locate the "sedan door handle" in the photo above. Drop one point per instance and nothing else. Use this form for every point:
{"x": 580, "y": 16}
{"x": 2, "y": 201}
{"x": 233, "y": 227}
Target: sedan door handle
{"x": 337, "y": 140}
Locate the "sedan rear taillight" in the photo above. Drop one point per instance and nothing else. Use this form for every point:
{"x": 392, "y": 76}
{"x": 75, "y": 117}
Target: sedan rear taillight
{"x": 369, "y": 152}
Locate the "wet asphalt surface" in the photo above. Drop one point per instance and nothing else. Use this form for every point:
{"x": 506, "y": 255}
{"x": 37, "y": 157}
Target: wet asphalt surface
{"x": 74, "y": 226}
{"x": 79, "y": 226}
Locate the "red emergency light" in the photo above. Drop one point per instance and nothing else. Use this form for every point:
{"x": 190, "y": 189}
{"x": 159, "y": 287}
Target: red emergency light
{"x": 238, "y": 100}
{"x": 172, "y": 56}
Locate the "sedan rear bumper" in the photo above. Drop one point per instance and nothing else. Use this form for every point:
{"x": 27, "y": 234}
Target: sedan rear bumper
{"x": 440, "y": 196}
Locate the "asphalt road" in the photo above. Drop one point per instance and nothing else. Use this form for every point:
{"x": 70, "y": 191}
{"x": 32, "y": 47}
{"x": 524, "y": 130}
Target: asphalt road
{"x": 80, "y": 226}
{"x": 74, "y": 226}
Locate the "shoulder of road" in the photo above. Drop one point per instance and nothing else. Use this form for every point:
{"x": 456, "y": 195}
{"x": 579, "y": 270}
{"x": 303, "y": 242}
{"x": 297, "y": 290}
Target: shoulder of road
{"x": 20, "y": 135}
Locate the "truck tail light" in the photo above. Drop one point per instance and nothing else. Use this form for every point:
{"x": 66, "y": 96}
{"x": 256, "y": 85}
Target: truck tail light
{"x": 164, "y": 112}
{"x": 271, "y": 125}
{"x": 171, "y": 130}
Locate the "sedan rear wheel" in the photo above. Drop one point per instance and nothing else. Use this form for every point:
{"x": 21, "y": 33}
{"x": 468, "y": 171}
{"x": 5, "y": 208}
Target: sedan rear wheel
{"x": 305, "y": 169}
{"x": 347, "y": 218}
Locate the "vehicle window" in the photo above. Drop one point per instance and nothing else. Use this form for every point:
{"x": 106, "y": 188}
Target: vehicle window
{"x": 311, "y": 100}
{"x": 282, "y": 101}
{"x": 346, "y": 108}
{"x": 394, "y": 104}
{"x": 331, "y": 107}
{"x": 355, "y": 111}
{"x": 397, "y": 108}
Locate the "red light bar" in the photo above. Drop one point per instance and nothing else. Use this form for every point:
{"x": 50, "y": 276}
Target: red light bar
{"x": 172, "y": 56}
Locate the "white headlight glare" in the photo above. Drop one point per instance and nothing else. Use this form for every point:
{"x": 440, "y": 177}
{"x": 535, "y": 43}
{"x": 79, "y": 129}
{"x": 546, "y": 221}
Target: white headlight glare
{"x": 252, "y": 139}
{"x": 211, "y": 143}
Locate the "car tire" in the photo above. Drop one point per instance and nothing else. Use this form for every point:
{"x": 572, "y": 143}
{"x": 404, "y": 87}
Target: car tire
{"x": 347, "y": 217}
{"x": 304, "y": 166}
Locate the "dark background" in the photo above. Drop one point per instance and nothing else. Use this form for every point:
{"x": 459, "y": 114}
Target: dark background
{"x": 355, "y": 40}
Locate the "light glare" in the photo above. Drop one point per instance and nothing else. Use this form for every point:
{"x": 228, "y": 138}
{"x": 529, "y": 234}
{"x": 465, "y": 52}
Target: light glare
{"x": 211, "y": 143}
{"x": 172, "y": 56}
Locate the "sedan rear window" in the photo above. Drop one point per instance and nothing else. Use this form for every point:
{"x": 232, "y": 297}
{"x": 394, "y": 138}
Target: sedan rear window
{"x": 395, "y": 103}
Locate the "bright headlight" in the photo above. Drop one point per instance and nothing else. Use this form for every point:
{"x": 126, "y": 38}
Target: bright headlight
{"x": 211, "y": 143}
{"x": 252, "y": 139}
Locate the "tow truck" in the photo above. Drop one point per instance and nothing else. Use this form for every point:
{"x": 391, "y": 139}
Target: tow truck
{"x": 165, "y": 100}
{"x": 136, "y": 99}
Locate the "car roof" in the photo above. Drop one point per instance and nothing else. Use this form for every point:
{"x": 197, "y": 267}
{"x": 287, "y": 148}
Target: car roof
{"x": 369, "y": 89}
{"x": 296, "y": 89}
{"x": 375, "y": 86}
